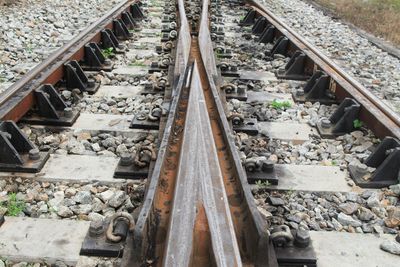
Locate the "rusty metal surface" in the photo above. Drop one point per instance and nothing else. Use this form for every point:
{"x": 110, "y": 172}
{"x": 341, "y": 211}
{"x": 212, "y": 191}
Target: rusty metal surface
{"x": 16, "y": 100}
{"x": 198, "y": 209}
{"x": 382, "y": 120}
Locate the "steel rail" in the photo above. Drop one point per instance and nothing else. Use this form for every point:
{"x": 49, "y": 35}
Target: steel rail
{"x": 374, "y": 110}
{"x": 16, "y": 100}
{"x": 151, "y": 226}
{"x": 198, "y": 209}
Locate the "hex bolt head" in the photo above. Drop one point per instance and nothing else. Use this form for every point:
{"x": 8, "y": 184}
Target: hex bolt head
{"x": 34, "y": 154}
{"x": 267, "y": 165}
{"x": 326, "y": 123}
{"x": 302, "y": 238}
{"x": 300, "y": 92}
{"x": 68, "y": 112}
{"x": 91, "y": 83}
{"x": 96, "y": 228}
{"x": 126, "y": 159}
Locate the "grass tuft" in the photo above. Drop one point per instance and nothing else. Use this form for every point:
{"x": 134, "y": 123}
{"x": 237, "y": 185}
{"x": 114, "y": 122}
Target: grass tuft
{"x": 13, "y": 205}
{"x": 280, "y": 104}
{"x": 379, "y": 17}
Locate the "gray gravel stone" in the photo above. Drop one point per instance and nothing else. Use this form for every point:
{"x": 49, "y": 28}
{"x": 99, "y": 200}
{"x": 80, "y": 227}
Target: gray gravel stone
{"x": 391, "y": 247}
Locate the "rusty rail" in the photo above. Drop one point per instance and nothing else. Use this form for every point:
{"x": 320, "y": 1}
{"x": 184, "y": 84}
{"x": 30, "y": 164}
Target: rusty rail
{"x": 198, "y": 210}
{"x": 382, "y": 120}
{"x": 18, "y": 98}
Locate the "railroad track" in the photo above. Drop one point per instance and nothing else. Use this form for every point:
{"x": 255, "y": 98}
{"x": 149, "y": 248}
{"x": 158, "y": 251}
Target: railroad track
{"x": 195, "y": 119}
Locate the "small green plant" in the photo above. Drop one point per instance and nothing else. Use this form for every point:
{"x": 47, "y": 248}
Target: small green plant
{"x": 108, "y": 52}
{"x": 14, "y": 206}
{"x": 2, "y": 79}
{"x": 334, "y": 162}
{"x": 357, "y": 124}
{"x": 262, "y": 184}
{"x": 280, "y": 104}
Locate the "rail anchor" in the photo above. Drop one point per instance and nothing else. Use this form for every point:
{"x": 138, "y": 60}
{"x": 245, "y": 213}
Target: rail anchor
{"x": 17, "y": 153}
{"x": 386, "y": 160}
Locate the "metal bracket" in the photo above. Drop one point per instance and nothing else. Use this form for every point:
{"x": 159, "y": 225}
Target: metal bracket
{"x": 293, "y": 247}
{"x": 268, "y": 35}
{"x": 120, "y": 30}
{"x": 259, "y": 26}
{"x": 108, "y": 40}
{"x": 248, "y": 126}
{"x": 136, "y": 12}
{"x": 249, "y": 19}
{"x": 97, "y": 244}
{"x": 144, "y": 124}
{"x": 261, "y": 171}
{"x": 341, "y": 121}
{"x": 280, "y": 47}
{"x": 316, "y": 90}
{"x": 386, "y": 160}
{"x": 126, "y": 169}
{"x": 17, "y": 153}
{"x": 50, "y": 109}
{"x": 76, "y": 78}
{"x": 129, "y": 20}
{"x": 295, "y": 68}
{"x": 228, "y": 71}
{"x": 94, "y": 59}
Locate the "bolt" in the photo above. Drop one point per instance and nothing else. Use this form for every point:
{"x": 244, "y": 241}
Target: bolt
{"x": 300, "y": 92}
{"x": 236, "y": 121}
{"x": 126, "y": 159}
{"x": 91, "y": 82}
{"x": 68, "y": 112}
{"x": 362, "y": 168}
{"x": 34, "y": 154}
{"x": 96, "y": 228}
{"x": 302, "y": 239}
{"x": 267, "y": 165}
{"x": 326, "y": 123}
{"x": 241, "y": 89}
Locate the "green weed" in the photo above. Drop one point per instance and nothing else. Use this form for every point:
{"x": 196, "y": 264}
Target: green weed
{"x": 357, "y": 124}
{"x": 262, "y": 184}
{"x": 108, "y": 52}
{"x": 280, "y": 104}
{"x": 13, "y": 205}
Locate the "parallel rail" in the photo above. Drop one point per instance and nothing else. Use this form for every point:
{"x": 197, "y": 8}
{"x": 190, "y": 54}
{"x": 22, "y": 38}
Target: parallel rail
{"x": 18, "y": 99}
{"x": 382, "y": 120}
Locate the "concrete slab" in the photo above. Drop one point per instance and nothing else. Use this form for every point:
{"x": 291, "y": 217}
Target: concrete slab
{"x": 118, "y": 91}
{"x": 80, "y": 168}
{"x": 30, "y": 240}
{"x": 143, "y": 53}
{"x": 311, "y": 178}
{"x": 296, "y": 132}
{"x": 264, "y": 76}
{"x": 117, "y": 124}
{"x": 132, "y": 71}
{"x": 267, "y": 97}
{"x": 349, "y": 250}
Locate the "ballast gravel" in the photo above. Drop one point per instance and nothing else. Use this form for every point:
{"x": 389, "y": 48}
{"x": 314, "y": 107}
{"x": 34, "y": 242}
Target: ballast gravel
{"x": 33, "y": 29}
{"x": 374, "y": 68}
